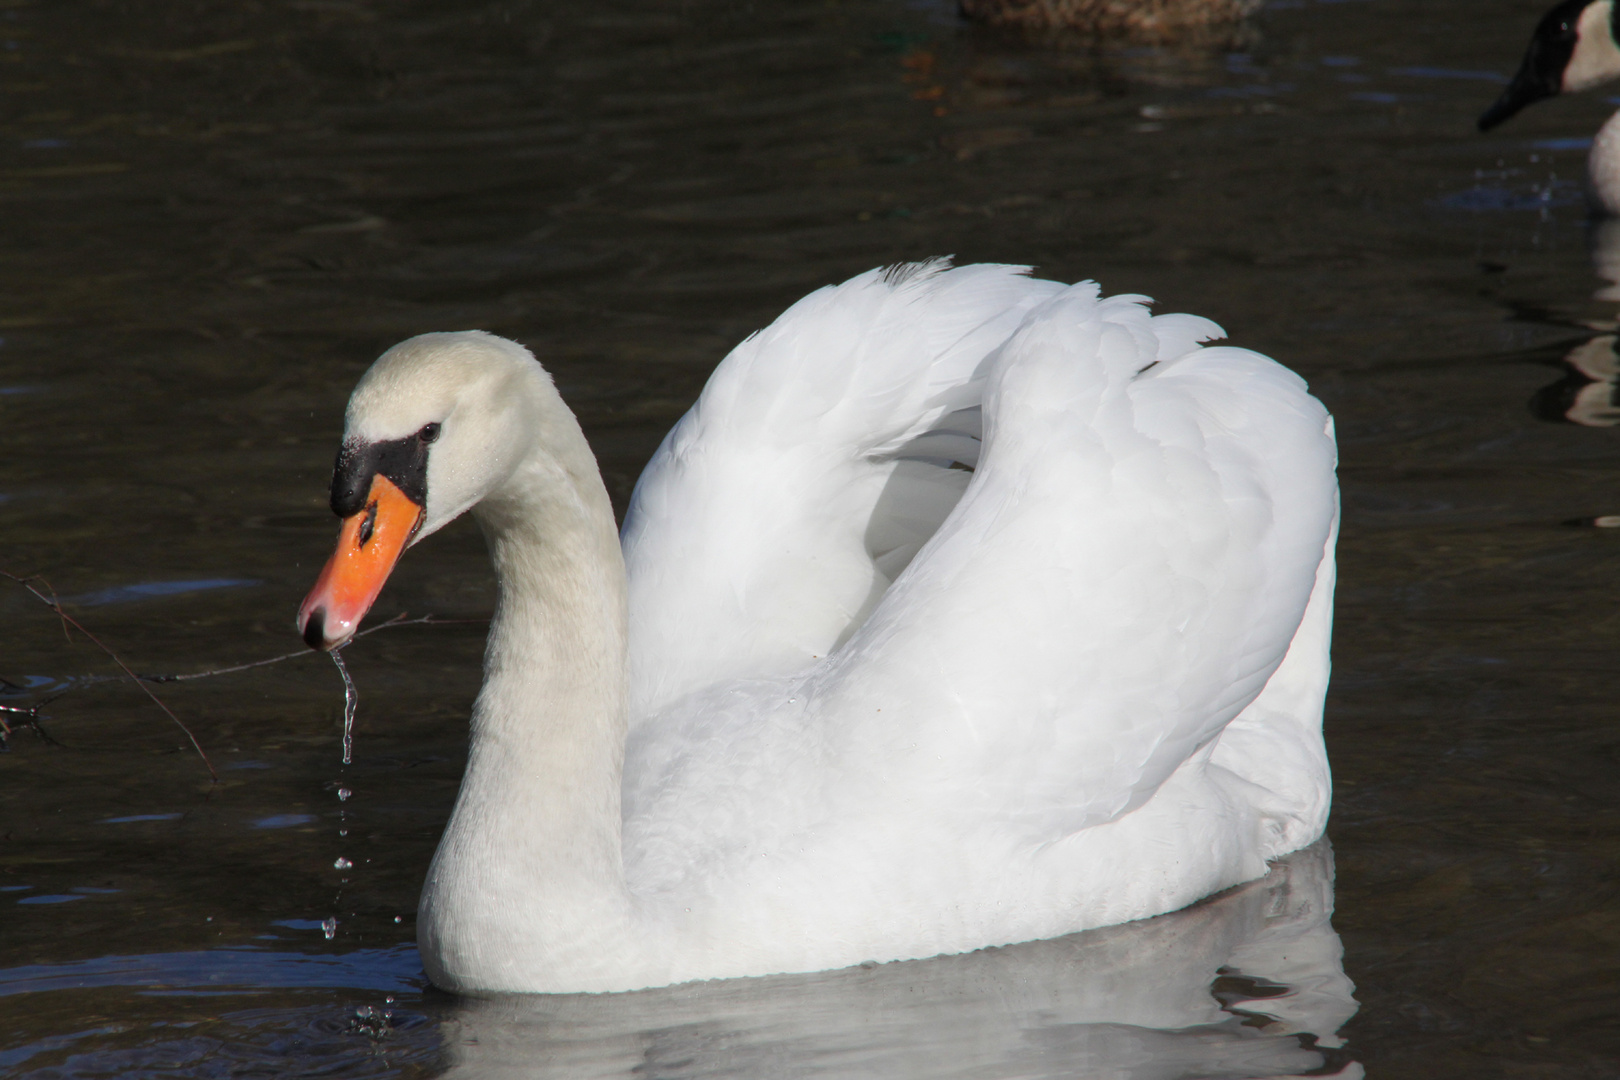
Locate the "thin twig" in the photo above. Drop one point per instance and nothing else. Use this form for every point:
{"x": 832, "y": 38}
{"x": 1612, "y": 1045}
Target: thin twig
{"x": 397, "y": 620}
{"x": 69, "y": 623}
{"x": 68, "y": 620}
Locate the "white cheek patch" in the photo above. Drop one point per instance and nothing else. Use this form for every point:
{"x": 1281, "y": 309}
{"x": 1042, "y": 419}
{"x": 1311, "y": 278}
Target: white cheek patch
{"x": 1597, "y": 57}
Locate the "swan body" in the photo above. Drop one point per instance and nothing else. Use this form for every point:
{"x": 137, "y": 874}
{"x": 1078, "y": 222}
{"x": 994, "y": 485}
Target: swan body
{"x": 1124, "y": 1003}
{"x": 1573, "y": 48}
{"x": 962, "y": 609}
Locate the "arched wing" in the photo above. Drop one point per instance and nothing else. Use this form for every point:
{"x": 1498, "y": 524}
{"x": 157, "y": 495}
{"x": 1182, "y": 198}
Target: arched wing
{"x": 814, "y": 465}
{"x": 1124, "y": 573}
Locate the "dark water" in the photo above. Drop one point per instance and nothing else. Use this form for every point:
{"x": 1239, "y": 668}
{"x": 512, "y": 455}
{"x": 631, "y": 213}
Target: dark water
{"x": 214, "y": 215}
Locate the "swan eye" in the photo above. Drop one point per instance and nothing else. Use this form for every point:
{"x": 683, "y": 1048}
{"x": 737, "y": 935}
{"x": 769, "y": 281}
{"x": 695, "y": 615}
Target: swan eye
{"x": 428, "y": 433}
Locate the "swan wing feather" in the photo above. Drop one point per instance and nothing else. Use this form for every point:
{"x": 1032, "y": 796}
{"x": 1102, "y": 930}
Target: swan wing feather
{"x": 750, "y": 542}
{"x": 1124, "y": 573}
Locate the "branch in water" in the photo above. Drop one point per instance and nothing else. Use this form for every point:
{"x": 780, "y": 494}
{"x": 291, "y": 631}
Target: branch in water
{"x": 31, "y": 716}
{"x": 30, "y": 719}
{"x": 68, "y": 620}
{"x": 397, "y": 620}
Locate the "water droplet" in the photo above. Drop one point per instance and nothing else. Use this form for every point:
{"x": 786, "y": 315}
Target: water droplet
{"x": 373, "y": 1023}
{"x": 329, "y": 928}
{"x": 343, "y": 794}
{"x": 399, "y": 918}
{"x": 341, "y": 864}
{"x": 343, "y": 832}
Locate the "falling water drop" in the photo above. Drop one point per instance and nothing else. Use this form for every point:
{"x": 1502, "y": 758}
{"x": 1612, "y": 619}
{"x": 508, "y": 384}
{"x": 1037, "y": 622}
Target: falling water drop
{"x": 351, "y": 702}
{"x": 342, "y": 863}
{"x": 329, "y": 928}
{"x": 343, "y": 794}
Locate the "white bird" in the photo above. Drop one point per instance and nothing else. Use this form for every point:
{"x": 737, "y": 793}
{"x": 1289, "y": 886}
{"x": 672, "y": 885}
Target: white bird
{"x": 1573, "y": 48}
{"x": 962, "y": 609}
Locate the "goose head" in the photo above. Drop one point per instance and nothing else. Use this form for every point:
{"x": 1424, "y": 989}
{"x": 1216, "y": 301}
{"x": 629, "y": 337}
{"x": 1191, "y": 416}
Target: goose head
{"x": 438, "y": 424}
{"x": 1573, "y": 49}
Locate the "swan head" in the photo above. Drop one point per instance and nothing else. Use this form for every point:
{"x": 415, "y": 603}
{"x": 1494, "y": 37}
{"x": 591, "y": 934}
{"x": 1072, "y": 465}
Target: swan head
{"x": 1573, "y": 49}
{"x": 436, "y": 425}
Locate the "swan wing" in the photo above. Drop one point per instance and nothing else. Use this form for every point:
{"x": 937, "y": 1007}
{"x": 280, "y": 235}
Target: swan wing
{"x": 1124, "y": 573}
{"x": 813, "y": 466}
{"x": 1139, "y": 564}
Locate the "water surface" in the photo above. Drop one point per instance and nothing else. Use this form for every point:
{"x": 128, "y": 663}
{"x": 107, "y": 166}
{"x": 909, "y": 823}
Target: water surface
{"x": 215, "y": 215}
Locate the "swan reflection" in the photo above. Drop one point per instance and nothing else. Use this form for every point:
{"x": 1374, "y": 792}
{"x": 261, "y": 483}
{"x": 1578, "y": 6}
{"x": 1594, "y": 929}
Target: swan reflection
{"x": 1247, "y": 984}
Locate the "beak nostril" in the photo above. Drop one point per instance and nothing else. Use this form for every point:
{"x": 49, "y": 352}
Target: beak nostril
{"x": 315, "y": 630}
{"x": 369, "y": 525}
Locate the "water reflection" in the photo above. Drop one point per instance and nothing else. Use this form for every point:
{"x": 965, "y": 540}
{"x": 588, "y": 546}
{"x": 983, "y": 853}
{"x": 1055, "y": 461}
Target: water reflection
{"x": 1588, "y": 391}
{"x": 1585, "y": 394}
{"x": 121, "y": 594}
{"x": 1606, "y": 257}
{"x": 1246, "y": 985}
{"x": 394, "y": 969}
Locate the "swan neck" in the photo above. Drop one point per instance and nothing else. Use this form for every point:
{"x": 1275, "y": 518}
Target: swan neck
{"x": 530, "y": 870}
{"x": 549, "y": 723}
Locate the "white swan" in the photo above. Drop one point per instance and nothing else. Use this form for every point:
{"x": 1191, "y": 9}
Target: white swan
{"x": 841, "y": 698}
{"x": 1573, "y": 48}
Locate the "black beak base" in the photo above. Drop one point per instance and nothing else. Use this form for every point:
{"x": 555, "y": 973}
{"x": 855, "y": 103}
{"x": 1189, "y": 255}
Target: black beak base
{"x": 403, "y": 461}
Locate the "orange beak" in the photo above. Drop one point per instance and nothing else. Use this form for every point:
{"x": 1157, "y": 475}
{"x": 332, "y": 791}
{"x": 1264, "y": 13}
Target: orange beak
{"x": 368, "y": 546}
